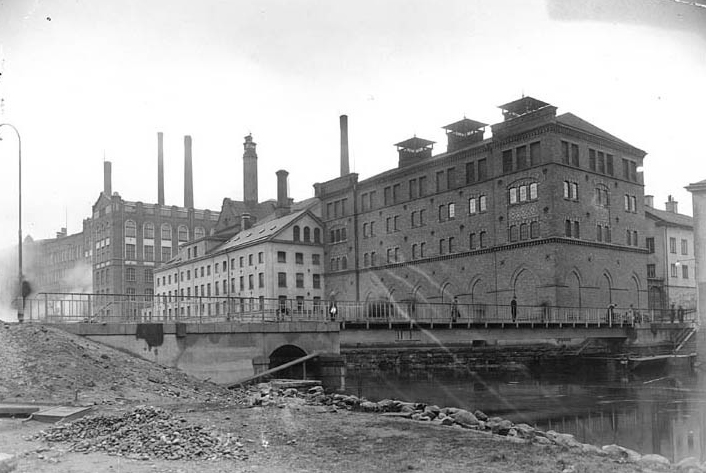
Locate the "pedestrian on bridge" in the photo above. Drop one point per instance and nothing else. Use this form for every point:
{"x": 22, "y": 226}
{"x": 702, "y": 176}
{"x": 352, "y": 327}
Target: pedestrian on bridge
{"x": 513, "y": 309}
{"x": 454, "y": 309}
{"x": 333, "y": 311}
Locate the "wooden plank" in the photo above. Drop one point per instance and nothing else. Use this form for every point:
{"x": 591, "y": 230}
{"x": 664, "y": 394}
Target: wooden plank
{"x": 63, "y": 413}
{"x": 274, "y": 370}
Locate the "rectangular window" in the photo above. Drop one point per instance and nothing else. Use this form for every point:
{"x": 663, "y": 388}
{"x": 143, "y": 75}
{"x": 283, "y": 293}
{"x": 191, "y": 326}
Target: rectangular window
{"x": 413, "y": 190}
{"x": 609, "y": 164}
{"x": 633, "y": 171}
{"x": 149, "y": 252}
{"x": 260, "y": 259}
{"x": 565, "y": 152}
{"x": 651, "y": 271}
{"x": 242, "y": 283}
{"x": 281, "y": 256}
{"x": 130, "y": 274}
{"x": 421, "y": 217}
{"x": 261, "y": 280}
{"x": 684, "y": 247}
{"x": 450, "y": 178}
{"x": 451, "y": 244}
{"x": 421, "y": 249}
{"x": 626, "y": 169}
{"x": 299, "y": 258}
{"x": 577, "y": 233}
{"x": 650, "y": 244}
{"x": 129, "y": 251}
{"x": 535, "y": 153}
{"x": 684, "y": 271}
{"x": 316, "y": 281}
{"x": 388, "y": 224}
{"x": 482, "y": 169}
{"x": 422, "y": 186}
{"x": 601, "y": 162}
{"x": 452, "y": 211}
{"x": 440, "y": 181}
{"x": 250, "y": 261}
{"x": 513, "y": 195}
{"x": 389, "y": 255}
{"x": 507, "y": 161}
{"x": 575, "y": 155}
{"x": 414, "y": 218}
{"x": 521, "y": 157}
{"x": 166, "y": 253}
{"x": 470, "y": 172}
{"x": 442, "y": 246}
{"x": 482, "y": 203}
{"x": 592, "y": 159}
{"x": 281, "y": 279}
{"x": 396, "y": 193}
{"x": 442, "y": 213}
{"x": 472, "y": 205}
{"x": 300, "y": 280}
{"x": 673, "y": 270}
{"x": 472, "y": 241}
{"x": 316, "y": 259}
{"x": 673, "y": 245}
{"x": 599, "y": 233}
{"x": 567, "y": 228}
{"x": 387, "y": 195}
{"x": 251, "y": 282}
{"x": 241, "y": 261}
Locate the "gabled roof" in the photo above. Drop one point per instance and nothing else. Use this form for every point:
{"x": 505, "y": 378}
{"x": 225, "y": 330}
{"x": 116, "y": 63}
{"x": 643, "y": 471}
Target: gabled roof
{"x": 669, "y": 218}
{"x": 265, "y": 230}
{"x": 571, "y": 120}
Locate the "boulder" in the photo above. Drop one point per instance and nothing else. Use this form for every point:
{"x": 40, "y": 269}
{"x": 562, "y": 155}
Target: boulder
{"x": 542, "y": 441}
{"x": 407, "y": 409}
{"x": 499, "y": 426}
{"x": 525, "y": 431}
{"x": 653, "y": 459}
{"x": 432, "y": 411}
{"x": 617, "y": 451}
{"x": 589, "y": 448}
{"x": 480, "y": 415}
{"x": 446, "y": 420}
{"x": 290, "y": 392}
{"x": 563, "y": 440}
{"x": 316, "y": 390}
{"x": 368, "y": 406}
{"x": 464, "y": 418}
{"x": 387, "y": 405}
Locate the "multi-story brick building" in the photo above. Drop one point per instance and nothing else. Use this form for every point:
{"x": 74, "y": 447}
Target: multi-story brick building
{"x": 548, "y": 211}
{"x": 670, "y": 263}
{"x": 57, "y": 265}
{"x": 274, "y": 267}
{"x": 128, "y": 240}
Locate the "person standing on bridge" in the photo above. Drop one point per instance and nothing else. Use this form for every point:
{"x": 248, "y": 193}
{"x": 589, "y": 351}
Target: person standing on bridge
{"x": 672, "y": 313}
{"x": 513, "y": 309}
{"x": 333, "y": 311}
{"x": 454, "y": 309}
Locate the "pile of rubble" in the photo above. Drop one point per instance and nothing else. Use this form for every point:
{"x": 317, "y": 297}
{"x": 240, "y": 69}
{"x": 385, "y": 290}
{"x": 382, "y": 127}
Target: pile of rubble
{"x": 265, "y": 394}
{"x": 145, "y": 433}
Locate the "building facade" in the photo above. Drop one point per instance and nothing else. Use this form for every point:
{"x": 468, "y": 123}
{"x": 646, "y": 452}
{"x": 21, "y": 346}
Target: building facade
{"x": 58, "y": 265}
{"x": 272, "y": 268}
{"x": 670, "y": 263}
{"x": 548, "y": 211}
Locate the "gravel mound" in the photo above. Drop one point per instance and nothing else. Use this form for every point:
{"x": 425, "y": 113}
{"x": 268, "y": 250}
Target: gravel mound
{"x": 145, "y": 433}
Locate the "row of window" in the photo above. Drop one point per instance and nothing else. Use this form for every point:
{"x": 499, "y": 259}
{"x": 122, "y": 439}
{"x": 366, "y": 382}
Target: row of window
{"x": 337, "y": 208}
{"x": 598, "y": 161}
{"x": 673, "y": 246}
{"x": 338, "y": 235}
{"x": 165, "y": 231}
{"x": 478, "y": 204}
{"x": 673, "y": 271}
{"x": 523, "y": 193}
{"x": 631, "y": 238}
{"x": 521, "y": 157}
{"x": 242, "y": 304}
{"x": 297, "y": 234}
{"x": 523, "y": 231}
{"x": 148, "y": 253}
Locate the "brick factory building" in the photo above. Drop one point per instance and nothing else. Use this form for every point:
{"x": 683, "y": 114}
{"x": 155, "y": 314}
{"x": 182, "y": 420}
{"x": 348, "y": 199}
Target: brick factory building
{"x": 548, "y": 211}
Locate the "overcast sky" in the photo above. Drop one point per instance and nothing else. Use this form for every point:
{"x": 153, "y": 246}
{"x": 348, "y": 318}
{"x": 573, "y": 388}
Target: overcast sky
{"x": 83, "y": 79}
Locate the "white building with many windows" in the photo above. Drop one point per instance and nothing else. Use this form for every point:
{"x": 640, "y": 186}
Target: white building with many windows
{"x": 271, "y": 270}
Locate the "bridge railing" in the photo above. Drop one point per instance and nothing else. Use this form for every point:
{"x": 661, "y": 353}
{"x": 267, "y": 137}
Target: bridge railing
{"x": 73, "y": 307}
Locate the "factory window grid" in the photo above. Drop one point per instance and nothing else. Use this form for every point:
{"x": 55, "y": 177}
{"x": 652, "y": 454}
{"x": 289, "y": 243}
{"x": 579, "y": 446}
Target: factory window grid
{"x": 148, "y": 230}
{"x": 183, "y": 233}
{"x": 571, "y": 191}
{"x": 130, "y": 229}
{"x": 651, "y": 271}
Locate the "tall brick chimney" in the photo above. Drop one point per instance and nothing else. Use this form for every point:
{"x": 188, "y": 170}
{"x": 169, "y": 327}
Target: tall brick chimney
{"x": 671, "y": 204}
{"x": 188, "y": 175}
{"x": 160, "y": 168}
{"x": 345, "y": 168}
{"x": 107, "y": 179}
{"x": 282, "y": 193}
{"x": 250, "y": 170}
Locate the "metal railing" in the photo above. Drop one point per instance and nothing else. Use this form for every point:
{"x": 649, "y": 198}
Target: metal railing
{"x": 73, "y": 307}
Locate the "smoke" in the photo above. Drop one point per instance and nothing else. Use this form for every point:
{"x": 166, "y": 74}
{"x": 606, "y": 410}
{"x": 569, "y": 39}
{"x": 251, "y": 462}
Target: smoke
{"x": 9, "y": 285}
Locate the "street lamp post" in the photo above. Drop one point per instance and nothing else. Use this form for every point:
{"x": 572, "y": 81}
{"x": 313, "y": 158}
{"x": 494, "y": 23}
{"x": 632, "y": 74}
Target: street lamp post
{"x": 20, "y": 309}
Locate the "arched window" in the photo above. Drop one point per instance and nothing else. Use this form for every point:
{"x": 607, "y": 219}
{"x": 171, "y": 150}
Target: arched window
{"x": 343, "y": 234}
{"x": 199, "y": 232}
{"x": 534, "y": 229}
{"x": 513, "y": 233}
{"x": 317, "y": 235}
{"x": 183, "y": 233}
{"x": 130, "y": 229}
{"x": 344, "y": 262}
{"x": 523, "y": 231}
{"x": 297, "y": 231}
{"x": 307, "y": 234}
{"x": 166, "y": 232}
{"x": 533, "y": 191}
{"x": 148, "y": 230}
{"x": 483, "y": 241}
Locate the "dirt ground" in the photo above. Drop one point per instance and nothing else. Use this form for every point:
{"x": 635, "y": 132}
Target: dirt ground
{"x": 44, "y": 364}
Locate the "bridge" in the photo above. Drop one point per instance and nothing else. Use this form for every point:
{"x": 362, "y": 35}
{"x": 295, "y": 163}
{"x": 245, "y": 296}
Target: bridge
{"x": 227, "y": 339}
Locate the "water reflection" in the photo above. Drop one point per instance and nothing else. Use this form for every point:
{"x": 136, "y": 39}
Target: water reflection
{"x": 651, "y": 412}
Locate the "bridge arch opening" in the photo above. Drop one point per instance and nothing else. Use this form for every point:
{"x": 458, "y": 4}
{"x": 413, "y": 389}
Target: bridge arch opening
{"x": 285, "y": 354}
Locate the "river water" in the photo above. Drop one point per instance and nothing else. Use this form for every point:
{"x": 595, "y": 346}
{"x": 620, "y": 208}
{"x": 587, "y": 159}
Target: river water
{"x": 656, "y": 411}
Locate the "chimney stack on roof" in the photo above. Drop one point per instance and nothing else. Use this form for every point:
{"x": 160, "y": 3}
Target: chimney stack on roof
{"x": 345, "y": 168}
{"x": 650, "y": 201}
{"x": 282, "y": 193}
{"x": 107, "y": 179}
{"x": 245, "y": 221}
{"x": 188, "y": 174}
{"x": 160, "y": 168}
{"x": 671, "y": 205}
{"x": 413, "y": 151}
{"x": 250, "y": 170}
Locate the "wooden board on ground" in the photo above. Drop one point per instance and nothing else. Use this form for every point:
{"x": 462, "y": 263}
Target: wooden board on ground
{"x": 294, "y": 383}
{"x": 64, "y": 413}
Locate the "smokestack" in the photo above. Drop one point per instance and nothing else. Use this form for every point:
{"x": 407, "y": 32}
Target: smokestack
{"x": 249, "y": 170}
{"x": 671, "y": 205}
{"x": 188, "y": 175}
{"x": 345, "y": 169}
{"x": 282, "y": 197}
{"x": 107, "y": 179}
{"x": 160, "y": 168}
